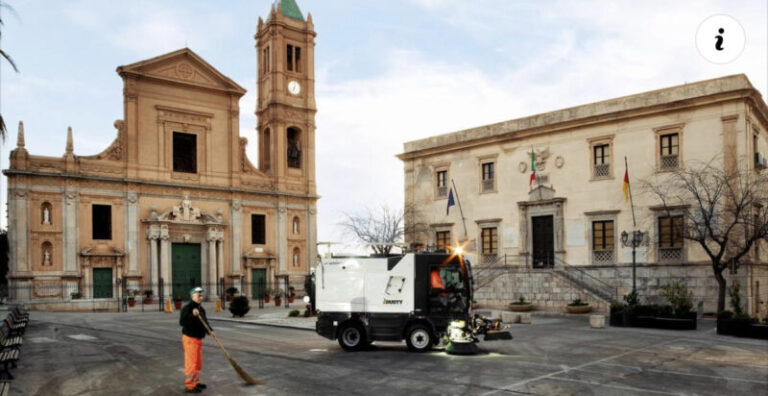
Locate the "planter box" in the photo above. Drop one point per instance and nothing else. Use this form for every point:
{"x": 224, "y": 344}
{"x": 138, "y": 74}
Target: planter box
{"x": 643, "y": 317}
{"x": 741, "y": 328}
{"x": 520, "y": 307}
{"x": 578, "y": 309}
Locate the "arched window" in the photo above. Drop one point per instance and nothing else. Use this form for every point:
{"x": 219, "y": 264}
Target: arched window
{"x": 47, "y": 254}
{"x": 294, "y": 148}
{"x": 295, "y": 226}
{"x": 296, "y": 257}
{"x": 46, "y": 213}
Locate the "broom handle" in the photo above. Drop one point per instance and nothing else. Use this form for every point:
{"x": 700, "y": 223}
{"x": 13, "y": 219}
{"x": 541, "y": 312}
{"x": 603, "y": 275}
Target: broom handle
{"x": 214, "y": 337}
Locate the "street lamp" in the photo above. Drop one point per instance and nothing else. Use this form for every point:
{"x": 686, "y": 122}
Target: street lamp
{"x": 638, "y": 237}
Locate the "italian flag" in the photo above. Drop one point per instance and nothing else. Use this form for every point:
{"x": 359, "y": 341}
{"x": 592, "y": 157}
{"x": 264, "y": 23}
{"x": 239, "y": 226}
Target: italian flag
{"x": 533, "y": 168}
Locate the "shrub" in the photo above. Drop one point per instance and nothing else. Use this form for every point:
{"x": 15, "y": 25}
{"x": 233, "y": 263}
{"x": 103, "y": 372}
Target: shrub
{"x": 679, "y": 297}
{"x": 75, "y": 295}
{"x": 577, "y": 303}
{"x": 232, "y": 291}
{"x": 294, "y": 313}
{"x": 239, "y": 306}
{"x": 617, "y": 307}
{"x": 520, "y": 301}
{"x": 306, "y": 313}
{"x": 632, "y": 298}
{"x": 148, "y": 293}
{"x": 734, "y": 292}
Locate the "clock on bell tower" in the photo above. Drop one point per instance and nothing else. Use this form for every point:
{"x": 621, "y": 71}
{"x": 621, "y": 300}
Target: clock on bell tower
{"x": 285, "y": 108}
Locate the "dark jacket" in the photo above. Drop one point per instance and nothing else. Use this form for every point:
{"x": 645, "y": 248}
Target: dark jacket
{"x": 190, "y": 325}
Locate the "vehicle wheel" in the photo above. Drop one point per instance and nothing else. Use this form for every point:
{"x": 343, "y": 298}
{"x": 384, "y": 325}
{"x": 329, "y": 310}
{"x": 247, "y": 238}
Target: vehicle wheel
{"x": 419, "y": 338}
{"x": 352, "y": 337}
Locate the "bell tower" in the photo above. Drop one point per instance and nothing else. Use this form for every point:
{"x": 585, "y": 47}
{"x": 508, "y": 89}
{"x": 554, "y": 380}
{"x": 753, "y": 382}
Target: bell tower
{"x": 285, "y": 46}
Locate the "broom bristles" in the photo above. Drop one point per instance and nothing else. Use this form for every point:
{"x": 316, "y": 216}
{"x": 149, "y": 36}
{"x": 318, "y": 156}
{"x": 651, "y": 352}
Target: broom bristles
{"x": 247, "y": 378}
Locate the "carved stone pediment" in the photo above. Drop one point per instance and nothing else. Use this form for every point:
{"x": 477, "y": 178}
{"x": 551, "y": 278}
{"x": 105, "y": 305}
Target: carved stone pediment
{"x": 541, "y": 193}
{"x": 102, "y": 251}
{"x": 184, "y": 213}
{"x": 182, "y": 66}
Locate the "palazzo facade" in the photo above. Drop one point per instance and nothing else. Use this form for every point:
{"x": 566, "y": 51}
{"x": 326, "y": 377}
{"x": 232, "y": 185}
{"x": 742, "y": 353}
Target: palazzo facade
{"x": 559, "y": 237}
{"x": 174, "y": 201}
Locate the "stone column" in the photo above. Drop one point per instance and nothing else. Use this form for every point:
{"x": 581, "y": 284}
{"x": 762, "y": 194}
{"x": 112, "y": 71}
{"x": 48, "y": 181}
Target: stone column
{"x": 18, "y": 241}
{"x": 282, "y": 239}
{"x": 165, "y": 261}
{"x": 235, "y": 229}
{"x": 153, "y": 235}
{"x": 210, "y": 237}
{"x": 131, "y": 234}
{"x": 220, "y": 253}
{"x": 69, "y": 230}
{"x": 311, "y": 237}
{"x": 87, "y": 281}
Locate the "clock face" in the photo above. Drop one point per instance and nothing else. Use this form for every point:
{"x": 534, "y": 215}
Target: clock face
{"x": 294, "y": 87}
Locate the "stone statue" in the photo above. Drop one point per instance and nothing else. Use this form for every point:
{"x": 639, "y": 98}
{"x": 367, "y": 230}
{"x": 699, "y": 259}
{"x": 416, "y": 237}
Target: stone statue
{"x": 46, "y": 257}
{"x": 46, "y": 215}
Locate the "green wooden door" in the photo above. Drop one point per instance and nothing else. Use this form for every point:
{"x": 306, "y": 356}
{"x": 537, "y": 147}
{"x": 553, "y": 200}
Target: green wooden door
{"x": 102, "y": 283}
{"x": 185, "y": 268}
{"x": 259, "y": 281}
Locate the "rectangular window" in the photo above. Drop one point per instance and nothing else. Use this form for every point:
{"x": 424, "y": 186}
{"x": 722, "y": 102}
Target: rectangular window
{"x": 289, "y": 58}
{"x": 258, "y": 230}
{"x": 184, "y": 152}
{"x": 671, "y": 232}
{"x": 101, "y": 222}
{"x": 443, "y": 239}
{"x": 265, "y": 58}
{"x": 601, "y": 154}
{"x": 602, "y": 235}
{"x": 442, "y": 187}
{"x": 488, "y": 176}
{"x": 489, "y": 237}
{"x": 669, "y": 146}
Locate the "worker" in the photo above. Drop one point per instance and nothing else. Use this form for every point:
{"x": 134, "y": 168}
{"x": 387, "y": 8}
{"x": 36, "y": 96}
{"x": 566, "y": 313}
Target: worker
{"x": 436, "y": 281}
{"x": 193, "y": 332}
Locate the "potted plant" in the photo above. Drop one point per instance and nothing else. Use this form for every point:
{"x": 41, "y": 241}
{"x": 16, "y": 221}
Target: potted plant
{"x": 132, "y": 297}
{"x": 278, "y": 297}
{"x": 267, "y": 295}
{"x": 294, "y": 313}
{"x": 76, "y": 295}
{"x": 578, "y": 307}
{"x": 231, "y": 293}
{"x": 177, "y": 301}
{"x": 239, "y": 306}
{"x": 148, "y": 296}
{"x": 520, "y": 305}
{"x": 291, "y": 294}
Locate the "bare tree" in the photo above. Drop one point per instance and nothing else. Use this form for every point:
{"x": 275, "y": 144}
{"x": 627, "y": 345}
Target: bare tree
{"x": 381, "y": 229}
{"x": 7, "y": 57}
{"x": 724, "y": 211}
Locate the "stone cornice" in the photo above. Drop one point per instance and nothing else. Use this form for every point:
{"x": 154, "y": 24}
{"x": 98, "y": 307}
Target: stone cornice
{"x": 125, "y": 180}
{"x": 729, "y": 88}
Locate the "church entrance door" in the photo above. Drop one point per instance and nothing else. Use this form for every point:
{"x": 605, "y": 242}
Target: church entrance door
{"x": 259, "y": 282}
{"x": 185, "y": 268}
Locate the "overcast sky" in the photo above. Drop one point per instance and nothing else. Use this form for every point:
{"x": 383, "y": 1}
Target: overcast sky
{"x": 387, "y": 71}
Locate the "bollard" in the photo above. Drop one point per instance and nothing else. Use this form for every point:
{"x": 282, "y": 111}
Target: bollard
{"x": 510, "y": 317}
{"x": 218, "y": 305}
{"x": 168, "y": 306}
{"x": 525, "y": 318}
{"x": 597, "y": 321}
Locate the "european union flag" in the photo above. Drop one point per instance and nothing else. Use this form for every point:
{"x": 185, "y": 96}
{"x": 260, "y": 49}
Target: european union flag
{"x": 451, "y": 202}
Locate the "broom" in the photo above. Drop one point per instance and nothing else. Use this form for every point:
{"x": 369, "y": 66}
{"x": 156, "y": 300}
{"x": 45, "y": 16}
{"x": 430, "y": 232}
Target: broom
{"x": 247, "y": 378}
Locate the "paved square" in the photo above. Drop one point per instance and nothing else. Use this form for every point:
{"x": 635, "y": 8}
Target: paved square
{"x": 140, "y": 353}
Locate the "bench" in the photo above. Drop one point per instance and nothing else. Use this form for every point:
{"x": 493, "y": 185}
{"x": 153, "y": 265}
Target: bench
{"x": 15, "y": 328}
{"x": 8, "y": 357}
{"x": 7, "y": 340}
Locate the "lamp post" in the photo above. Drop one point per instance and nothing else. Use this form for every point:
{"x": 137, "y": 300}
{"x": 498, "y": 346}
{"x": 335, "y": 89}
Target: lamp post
{"x": 637, "y": 239}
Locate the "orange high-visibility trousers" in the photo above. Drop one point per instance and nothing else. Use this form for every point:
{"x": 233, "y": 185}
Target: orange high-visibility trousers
{"x": 193, "y": 360}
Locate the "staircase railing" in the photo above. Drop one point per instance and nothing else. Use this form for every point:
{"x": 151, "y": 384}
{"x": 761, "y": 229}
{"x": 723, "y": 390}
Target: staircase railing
{"x": 587, "y": 281}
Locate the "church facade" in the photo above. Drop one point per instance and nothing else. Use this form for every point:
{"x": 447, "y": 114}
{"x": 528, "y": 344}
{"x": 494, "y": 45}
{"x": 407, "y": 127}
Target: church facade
{"x": 557, "y": 236}
{"x": 174, "y": 201}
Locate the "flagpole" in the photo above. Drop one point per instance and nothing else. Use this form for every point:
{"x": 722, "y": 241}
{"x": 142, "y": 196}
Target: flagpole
{"x": 458, "y": 201}
{"x": 629, "y": 187}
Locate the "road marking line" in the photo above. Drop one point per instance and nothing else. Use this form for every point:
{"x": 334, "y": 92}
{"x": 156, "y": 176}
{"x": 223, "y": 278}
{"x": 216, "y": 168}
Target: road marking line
{"x": 550, "y": 375}
{"x": 641, "y": 369}
{"x": 41, "y": 340}
{"x": 82, "y": 337}
{"x": 629, "y": 388}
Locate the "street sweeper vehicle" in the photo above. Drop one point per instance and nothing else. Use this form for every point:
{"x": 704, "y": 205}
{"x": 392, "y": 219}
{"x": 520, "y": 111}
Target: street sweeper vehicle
{"x": 422, "y": 298}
